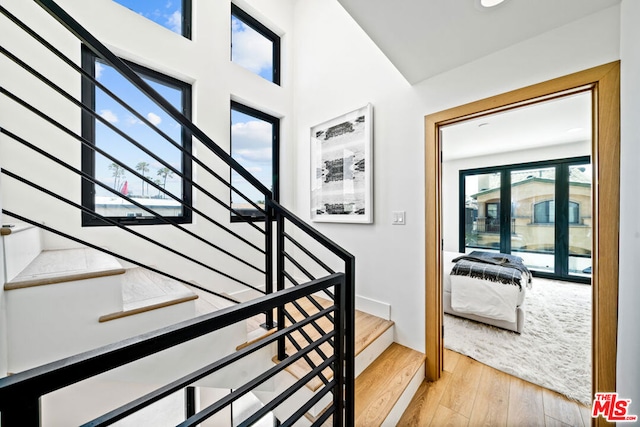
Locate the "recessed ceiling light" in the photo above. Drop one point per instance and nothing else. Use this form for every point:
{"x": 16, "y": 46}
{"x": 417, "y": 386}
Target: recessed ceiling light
{"x": 490, "y": 3}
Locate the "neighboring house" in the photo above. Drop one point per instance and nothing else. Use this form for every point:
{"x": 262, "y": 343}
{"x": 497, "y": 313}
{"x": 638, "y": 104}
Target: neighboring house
{"x": 532, "y": 217}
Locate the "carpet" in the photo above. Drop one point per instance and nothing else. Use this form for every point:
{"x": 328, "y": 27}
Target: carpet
{"x": 554, "y": 350}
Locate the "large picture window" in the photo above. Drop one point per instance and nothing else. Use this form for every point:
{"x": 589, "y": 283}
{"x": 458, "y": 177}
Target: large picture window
{"x": 539, "y": 211}
{"x": 134, "y": 149}
{"x": 175, "y": 15}
{"x": 254, "y": 46}
{"x": 255, "y": 145}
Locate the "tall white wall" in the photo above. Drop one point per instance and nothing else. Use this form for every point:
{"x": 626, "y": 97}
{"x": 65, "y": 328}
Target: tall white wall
{"x": 338, "y": 68}
{"x": 451, "y": 179}
{"x": 629, "y": 291}
{"x": 204, "y": 62}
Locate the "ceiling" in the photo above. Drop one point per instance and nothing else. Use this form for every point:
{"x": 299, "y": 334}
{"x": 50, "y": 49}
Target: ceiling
{"x": 559, "y": 121}
{"x": 423, "y": 38}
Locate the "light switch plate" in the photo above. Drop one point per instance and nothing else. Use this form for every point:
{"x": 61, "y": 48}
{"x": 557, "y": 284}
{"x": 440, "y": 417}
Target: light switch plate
{"x": 399, "y": 218}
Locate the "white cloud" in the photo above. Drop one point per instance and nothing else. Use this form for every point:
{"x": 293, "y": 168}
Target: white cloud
{"x": 109, "y": 116}
{"x": 249, "y": 48}
{"x": 262, "y": 155}
{"x": 131, "y": 121}
{"x": 174, "y": 22}
{"x": 99, "y": 69}
{"x": 255, "y": 134}
{"x": 154, "y": 119}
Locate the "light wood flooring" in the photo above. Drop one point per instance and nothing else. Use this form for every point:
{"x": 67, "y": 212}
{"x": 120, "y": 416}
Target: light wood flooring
{"x": 473, "y": 394}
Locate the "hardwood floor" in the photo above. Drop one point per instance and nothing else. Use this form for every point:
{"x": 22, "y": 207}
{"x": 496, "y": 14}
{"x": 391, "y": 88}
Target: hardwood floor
{"x": 473, "y": 394}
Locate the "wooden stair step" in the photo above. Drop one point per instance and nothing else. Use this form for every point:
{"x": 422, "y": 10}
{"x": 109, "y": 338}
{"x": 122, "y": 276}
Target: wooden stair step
{"x": 380, "y": 386}
{"x": 143, "y": 290}
{"x": 65, "y": 265}
{"x": 367, "y": 329}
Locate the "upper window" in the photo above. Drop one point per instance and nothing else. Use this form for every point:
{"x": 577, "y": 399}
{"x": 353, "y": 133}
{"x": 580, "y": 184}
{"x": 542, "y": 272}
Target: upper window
{"x": 254, "y": 46}
{"x": 142, "y": 153}
{"x": 172, "y": 14}
{"x": 254, "y": 144}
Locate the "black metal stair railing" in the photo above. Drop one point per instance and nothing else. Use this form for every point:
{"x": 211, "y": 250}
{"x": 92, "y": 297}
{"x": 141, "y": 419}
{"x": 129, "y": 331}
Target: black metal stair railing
{"x": 300, "y": 261}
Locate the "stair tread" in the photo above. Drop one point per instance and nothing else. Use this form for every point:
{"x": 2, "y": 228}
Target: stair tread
{"x": 380, "y": 386}
{"x": 64, "y": 265}
{"x": 144, "y": 290}
{"x": 142, "y": 287}
{"x": 367, "y": 329}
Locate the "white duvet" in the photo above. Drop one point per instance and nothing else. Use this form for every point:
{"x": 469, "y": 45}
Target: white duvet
{"x": 483, "y": 297}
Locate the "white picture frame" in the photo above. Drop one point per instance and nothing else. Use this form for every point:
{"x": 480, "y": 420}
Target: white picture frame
{"x": 342, "y": 168}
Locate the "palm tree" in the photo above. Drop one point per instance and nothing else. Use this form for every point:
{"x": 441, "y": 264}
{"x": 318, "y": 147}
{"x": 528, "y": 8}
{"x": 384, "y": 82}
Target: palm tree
{"x": 117, "y": 172}
{"x": 165, "y": 173}
{"x": 158, "y": 183}
{"x": 143, "y": 167}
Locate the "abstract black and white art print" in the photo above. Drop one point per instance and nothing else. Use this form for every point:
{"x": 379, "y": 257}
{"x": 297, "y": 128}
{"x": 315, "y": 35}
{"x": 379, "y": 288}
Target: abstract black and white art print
{"x": 341, "y": 152}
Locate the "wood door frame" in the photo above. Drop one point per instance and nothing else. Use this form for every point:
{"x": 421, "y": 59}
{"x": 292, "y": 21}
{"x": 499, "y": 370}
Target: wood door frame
{"x": 604, "y": 82}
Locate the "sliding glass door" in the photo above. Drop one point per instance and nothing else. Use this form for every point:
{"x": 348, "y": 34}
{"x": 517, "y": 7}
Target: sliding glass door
{"x": 539, "y": 211}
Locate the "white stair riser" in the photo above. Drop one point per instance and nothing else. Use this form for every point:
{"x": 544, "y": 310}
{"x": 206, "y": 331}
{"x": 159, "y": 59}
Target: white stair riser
{"x": 20, "y": 248}
{"x": 373, "y": 350}
{"x": 47, "y": 323}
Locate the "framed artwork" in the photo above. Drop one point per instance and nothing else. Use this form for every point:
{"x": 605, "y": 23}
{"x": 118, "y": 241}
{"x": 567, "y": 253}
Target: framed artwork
{"x": 341, "y": 168}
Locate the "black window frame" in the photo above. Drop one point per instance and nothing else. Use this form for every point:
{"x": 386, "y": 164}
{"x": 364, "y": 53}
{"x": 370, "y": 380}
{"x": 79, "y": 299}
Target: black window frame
{"x": 254, "y": 214}
{"x": 88, "y": 62}
{"x": 187, "y": 18}
{"x": 561, "y": 223}
{"x": 256, "y": 25}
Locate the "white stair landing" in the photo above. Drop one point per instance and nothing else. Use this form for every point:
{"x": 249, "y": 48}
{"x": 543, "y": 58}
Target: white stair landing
{"x": 65, "y": 265}
{"x": 143, "y": 290}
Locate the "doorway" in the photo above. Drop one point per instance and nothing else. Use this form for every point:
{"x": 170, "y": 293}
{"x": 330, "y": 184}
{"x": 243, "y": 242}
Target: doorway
{"x": 604, "y": 82}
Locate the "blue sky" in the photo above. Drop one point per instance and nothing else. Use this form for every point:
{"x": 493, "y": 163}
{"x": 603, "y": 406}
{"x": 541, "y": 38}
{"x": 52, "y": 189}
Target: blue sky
{"x": 167, "y": 13}
{"x": 115, "y": 114}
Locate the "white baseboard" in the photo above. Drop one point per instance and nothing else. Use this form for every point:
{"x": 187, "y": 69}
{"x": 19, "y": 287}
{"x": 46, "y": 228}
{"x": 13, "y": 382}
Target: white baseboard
{"x": 373, "y": 307}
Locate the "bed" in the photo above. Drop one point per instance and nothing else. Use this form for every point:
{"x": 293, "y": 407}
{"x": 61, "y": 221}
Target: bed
{"x": 497, "y": 301}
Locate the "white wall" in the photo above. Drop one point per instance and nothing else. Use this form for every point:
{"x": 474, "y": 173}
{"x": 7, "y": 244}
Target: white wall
{"x": 203, "y": 62}
{"x": 451, "y": 178}
{"x": 3, "y": 308}
{"x": 338, "y": 68}
{"x": 629, "y": 292}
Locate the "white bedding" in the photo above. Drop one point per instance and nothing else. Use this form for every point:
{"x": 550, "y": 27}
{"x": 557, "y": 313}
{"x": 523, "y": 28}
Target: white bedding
{"x": 482, "y": 297}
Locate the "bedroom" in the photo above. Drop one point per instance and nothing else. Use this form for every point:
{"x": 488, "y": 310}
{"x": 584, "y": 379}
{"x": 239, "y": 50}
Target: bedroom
{"x": 506, "y": 177}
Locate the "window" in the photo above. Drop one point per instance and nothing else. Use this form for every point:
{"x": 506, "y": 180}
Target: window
{"x": 254, "y": 46}
{"x": 254, "y": 144}
{"x": 174, "y": 15}
{"x": 539, "y": 211}
{"x": 162, "y": 163}
{"x": 545, "y": 212}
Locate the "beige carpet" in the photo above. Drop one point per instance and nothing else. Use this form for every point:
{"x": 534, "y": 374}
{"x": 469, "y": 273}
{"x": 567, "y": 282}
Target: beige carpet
{"x": 554, "y": 350}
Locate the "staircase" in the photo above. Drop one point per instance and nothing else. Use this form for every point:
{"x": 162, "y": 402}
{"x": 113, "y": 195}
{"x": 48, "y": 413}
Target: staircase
{"x": 69, "y": 288}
